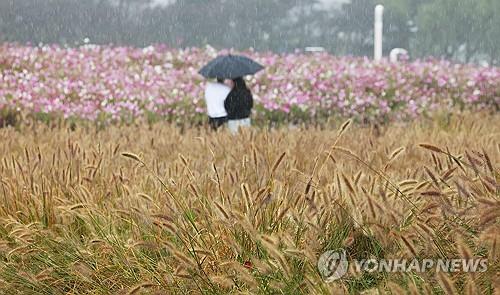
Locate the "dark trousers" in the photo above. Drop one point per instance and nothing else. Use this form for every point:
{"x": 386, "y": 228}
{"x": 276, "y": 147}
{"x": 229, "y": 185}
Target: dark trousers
{"x": 215, "y": 123}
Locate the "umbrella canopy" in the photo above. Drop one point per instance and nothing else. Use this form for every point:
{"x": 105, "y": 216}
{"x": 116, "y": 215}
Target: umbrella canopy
{"x": 230, "y": 67}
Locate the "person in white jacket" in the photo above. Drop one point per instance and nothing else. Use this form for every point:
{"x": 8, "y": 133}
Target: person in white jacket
{"x": 215, "y": 95}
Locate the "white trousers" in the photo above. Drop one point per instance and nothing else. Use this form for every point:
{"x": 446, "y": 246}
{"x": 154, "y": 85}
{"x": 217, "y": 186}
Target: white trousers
{"x": 234, "y": 125}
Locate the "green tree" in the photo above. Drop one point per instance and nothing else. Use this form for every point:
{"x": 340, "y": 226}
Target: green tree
{"x": 456, "y": 29}
{"x": 492, "y": 40}
{"x": 224, "y": 23}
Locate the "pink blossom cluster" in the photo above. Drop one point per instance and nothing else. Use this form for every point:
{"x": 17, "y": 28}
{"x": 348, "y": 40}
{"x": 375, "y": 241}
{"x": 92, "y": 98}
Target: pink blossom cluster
{"x": 112, "y": 83}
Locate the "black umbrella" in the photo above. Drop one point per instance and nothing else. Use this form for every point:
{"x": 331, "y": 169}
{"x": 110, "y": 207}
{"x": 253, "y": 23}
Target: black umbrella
{"x": 230, "y": 67}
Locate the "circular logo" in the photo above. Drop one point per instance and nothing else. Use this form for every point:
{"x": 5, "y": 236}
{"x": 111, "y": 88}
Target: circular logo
{"x": 333, "y": 265}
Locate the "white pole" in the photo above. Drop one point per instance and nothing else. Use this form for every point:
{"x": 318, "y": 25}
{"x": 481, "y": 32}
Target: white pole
{"x": 379, "y": 28}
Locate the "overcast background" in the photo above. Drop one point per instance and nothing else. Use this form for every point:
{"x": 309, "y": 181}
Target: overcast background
{"x": 462, "y": 30}
{"x": 325, "y": 3}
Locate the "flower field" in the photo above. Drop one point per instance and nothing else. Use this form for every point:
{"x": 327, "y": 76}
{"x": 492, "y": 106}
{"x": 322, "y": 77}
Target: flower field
{"x": 117, "y": 83}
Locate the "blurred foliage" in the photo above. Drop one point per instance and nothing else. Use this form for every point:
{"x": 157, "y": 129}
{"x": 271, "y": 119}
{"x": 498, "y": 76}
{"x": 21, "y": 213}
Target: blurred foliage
{"x": 462, "y": 30}
{"x": 465, "y": 30}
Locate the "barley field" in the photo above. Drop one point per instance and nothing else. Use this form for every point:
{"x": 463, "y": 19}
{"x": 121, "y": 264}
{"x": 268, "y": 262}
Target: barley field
{"x": 157, "y": 209}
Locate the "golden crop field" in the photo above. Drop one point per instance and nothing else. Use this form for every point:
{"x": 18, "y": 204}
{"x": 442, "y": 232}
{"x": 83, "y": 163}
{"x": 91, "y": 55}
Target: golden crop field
{"x": 159, "y": 210}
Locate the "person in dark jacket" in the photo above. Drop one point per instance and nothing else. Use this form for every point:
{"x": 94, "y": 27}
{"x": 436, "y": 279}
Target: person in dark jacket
{"x": 238, "y": 105}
